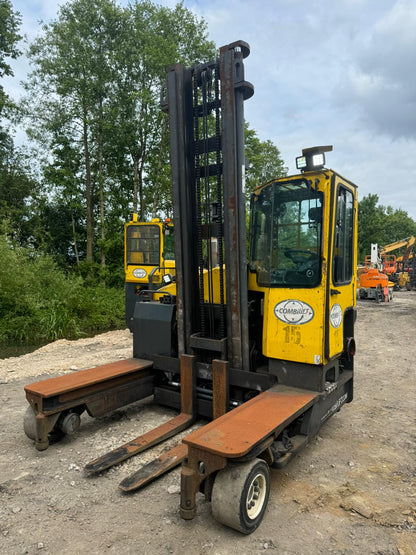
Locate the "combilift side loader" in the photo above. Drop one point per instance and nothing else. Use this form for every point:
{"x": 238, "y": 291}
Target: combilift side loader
{"x": 149, "y": 255}
{"x": 262, "y": 346}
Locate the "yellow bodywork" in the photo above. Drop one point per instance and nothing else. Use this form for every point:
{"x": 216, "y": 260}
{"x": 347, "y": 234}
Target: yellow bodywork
{"x": 297, "y": 319}
{"x": 305, "y": 324}
{"x": 211, "y": 282}
{"x": 137, "y": 265}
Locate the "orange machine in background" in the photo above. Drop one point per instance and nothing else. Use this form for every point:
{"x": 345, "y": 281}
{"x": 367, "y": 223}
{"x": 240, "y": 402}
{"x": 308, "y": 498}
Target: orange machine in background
{"x": 374, "y": 284}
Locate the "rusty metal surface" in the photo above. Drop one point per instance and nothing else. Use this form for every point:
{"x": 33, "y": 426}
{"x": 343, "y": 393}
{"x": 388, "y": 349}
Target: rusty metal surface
{"x": 167, "y": 461}
{"x": 162, "y": 432}
{"x": 237, "y": 432}
{"x": 117, "y": 395}
{"x": 197, "y": 468}
{"x": 188, "y": 384}
{"x": 233, "y": 87}
{"x": 100, "y": 398}
{"x": 220, "y": 388}
{"x": 104, "y": 398}
{"x": 44, "y": 425}
{"x": 140, "y": 444}
{"x": 107, "y": 386}
{"x": 85, "y": 378}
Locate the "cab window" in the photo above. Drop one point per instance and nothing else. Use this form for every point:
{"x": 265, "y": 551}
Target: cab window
{"x": 286, "y": 235}
{"x": 168, "y": 243}
{"x": 342, "y": 260}
{"x": 143, "y": 244}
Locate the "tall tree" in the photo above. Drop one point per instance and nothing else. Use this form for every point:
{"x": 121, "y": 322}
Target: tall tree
{"x": 72, "y": 80}
{"x": 264, "y": 160}
{"x": 96, "y": 83}
{"x": 9, "y": 37}
{"x": 156, "y": 37}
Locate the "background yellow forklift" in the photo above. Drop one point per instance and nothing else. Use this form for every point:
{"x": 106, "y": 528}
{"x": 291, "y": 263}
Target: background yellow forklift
{"x": 149, "y": 254}
{"x": 262, "y": 345}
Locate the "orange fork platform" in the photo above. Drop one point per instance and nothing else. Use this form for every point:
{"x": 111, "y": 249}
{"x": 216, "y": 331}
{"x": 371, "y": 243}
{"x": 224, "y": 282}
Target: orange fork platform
{"x": 98, "y": 390}
{"x": 241, "y": 434}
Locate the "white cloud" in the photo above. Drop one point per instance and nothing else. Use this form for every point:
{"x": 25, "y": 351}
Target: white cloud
{"x": 381, "y": 80}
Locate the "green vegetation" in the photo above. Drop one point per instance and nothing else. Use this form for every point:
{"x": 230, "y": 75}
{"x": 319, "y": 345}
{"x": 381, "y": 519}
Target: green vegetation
{"x": 381, "y": 224}
{"x": 39, "y": 303}
{"x": 9, "y": 38}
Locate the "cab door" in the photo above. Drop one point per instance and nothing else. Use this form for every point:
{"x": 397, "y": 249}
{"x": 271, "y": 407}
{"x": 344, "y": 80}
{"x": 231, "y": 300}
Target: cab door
{"x": 341, "y": 294}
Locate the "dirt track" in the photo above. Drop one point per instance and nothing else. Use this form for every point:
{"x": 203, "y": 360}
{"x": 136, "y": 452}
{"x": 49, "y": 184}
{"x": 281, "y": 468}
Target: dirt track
{"x": 352, "y": 491}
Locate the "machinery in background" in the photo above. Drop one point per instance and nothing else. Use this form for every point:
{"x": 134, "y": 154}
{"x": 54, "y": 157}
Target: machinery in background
{"x": 374, "y": 283}
{"x": 404, "y": 277}
{"x": 149, "y": 254}
{"x": 261, "y": 345}
{"x": 409, "y": 271}
{"x": 384, "y": 272}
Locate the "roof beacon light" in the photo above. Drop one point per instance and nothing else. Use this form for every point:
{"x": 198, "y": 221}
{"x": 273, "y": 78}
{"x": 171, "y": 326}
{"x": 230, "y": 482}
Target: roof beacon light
{"x": 312, "y": 158}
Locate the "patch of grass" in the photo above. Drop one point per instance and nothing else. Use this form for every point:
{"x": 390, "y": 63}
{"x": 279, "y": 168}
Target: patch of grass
{"x": 39, "y": 302}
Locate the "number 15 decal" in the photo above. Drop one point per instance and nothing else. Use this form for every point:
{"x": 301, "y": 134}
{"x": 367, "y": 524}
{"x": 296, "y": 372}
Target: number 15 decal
{"x": 292, "y": 334}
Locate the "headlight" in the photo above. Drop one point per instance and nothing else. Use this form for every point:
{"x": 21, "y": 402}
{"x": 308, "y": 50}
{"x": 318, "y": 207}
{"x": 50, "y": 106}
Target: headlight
{"x": 312, "y": 158}
{"x": 301, "y": 162}
{"x": 318, "y": 160}
{"x": 167, "y": 278}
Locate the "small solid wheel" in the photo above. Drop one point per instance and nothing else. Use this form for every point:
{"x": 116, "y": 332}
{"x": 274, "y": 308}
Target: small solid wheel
{"x": 240, "y": 495}
{"x": 29, "y": 423}
{"x": 69, "y": 422}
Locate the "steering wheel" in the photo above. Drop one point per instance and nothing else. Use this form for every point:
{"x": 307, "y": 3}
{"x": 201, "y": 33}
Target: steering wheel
{"x": 301, "y": 256}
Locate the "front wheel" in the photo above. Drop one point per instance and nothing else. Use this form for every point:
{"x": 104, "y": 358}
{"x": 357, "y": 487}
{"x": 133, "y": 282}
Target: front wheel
{"x": 240, "y": 495}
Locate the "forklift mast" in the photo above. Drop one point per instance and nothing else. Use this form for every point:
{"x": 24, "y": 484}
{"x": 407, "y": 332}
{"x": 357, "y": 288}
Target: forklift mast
{"x": 206, "y": 118}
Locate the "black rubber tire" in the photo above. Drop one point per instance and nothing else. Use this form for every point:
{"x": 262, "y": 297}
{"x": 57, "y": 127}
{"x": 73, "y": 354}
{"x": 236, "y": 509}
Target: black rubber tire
{"x": 240, "y": 495}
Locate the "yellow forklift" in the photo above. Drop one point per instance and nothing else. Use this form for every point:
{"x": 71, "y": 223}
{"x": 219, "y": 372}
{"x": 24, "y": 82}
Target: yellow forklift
{"x": 149, "y": 254}
{"x": 262, "y": 345}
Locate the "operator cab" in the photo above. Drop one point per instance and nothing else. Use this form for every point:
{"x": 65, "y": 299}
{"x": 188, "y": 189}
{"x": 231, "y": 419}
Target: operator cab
{"x": 301, "y": 267}
{"x": 149, "y": 259}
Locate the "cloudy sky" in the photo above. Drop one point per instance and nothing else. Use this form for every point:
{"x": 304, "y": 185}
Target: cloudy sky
{"x": 340, "y": 72}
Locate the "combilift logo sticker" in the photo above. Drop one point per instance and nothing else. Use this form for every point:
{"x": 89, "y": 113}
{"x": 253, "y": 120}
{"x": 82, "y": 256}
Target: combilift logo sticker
{"x": 293, "y": 312}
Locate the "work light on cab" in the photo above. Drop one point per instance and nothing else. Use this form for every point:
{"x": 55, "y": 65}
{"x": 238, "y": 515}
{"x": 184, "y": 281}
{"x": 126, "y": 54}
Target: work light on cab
{"x": 312, "y": 159}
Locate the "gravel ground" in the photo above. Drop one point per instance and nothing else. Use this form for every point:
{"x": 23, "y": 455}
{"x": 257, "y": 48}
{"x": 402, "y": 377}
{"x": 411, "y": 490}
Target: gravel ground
{"x": 351, "y": 491}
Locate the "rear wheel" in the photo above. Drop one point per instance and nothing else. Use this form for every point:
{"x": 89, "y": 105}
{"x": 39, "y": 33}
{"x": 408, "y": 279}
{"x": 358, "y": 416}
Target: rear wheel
{"x": 29, "y": 423}
{"x": 240, "y": 495}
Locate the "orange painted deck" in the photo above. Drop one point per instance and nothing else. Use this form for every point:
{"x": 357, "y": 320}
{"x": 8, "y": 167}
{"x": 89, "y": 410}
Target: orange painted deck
{"x": 89, "y": 377}
{"x": 235, "y": 433}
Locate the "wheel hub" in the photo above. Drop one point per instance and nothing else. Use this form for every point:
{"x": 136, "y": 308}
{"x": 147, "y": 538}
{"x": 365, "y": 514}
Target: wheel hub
{"x": 256, "y": 496}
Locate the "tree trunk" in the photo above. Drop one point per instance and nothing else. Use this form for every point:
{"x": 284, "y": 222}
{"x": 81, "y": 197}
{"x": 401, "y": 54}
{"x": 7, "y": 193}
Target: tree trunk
{"x": 101, "y": 187}
{"x": 88, "y": 193}
{"x": 156, "y": 197}
{"x": 141, "y": 195}
{"x": 135, "y": 180}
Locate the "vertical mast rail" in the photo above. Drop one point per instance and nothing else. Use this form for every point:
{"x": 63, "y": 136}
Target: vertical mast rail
{"x": 234, "y": 90}
{"x": 179, "y": 97}
{"x": 206, "y": 118}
